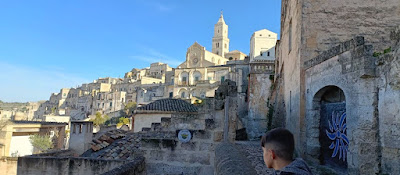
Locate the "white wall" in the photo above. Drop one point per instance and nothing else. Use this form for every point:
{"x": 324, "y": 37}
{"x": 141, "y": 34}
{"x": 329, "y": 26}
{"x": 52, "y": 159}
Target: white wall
{"x": 20, "y": 144}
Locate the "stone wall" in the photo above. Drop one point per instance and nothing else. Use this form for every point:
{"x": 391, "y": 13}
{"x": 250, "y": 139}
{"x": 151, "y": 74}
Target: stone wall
{"x": 389, "y": 108}
{"x": 8, "y": 166}
{"x": 217, "y": 120}
{"x": 328, "y": 23}
{"x": 56, "y": 165}
{"x": 352, "y": 71}
{"x": 229, "y": 160}
{"x": 166, "y": 154}
{"x": 259, "y": 92}
{"x": 135, "y": 167}
{"x": 310, "y": 27}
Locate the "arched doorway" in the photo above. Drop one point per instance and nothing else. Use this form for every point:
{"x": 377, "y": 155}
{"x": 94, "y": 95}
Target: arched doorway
{"x": 333, "y": 139}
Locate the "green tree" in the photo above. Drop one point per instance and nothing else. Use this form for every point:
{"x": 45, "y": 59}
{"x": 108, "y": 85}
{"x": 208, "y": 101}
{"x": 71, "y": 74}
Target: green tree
{"x": 41, "y": 143}
{"x": 123, "y": 121}
{"x": 99, "y": 120}
{"x": 129, "y": 108}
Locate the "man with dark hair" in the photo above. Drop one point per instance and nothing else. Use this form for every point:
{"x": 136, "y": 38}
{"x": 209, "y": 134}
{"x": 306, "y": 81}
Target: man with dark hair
{"x": 278, "y": 148}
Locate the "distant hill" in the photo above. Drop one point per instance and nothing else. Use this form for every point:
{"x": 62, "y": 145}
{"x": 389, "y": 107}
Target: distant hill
{"x": 10, "y": 106}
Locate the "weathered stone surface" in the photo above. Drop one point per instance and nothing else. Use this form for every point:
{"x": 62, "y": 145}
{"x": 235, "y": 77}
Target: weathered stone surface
{"x": 206, "y": 147}
{"x": 190, "y": 146}
{"x": 218, "y": 136}
{"x": 202, "y": 134}
{"x": 203, "y": 159}
{"x": 229, "y": 160}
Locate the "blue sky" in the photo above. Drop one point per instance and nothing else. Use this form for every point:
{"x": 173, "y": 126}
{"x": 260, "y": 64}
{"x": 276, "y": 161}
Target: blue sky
{"x": 48, "y": 45}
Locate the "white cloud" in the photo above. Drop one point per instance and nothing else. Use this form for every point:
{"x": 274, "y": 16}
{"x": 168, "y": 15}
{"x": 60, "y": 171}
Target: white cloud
{"x": 21, "y": 83}
{"x": 152, "y": 56}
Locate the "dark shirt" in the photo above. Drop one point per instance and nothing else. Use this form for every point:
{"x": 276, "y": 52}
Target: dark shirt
{"x": 297, "y": 167}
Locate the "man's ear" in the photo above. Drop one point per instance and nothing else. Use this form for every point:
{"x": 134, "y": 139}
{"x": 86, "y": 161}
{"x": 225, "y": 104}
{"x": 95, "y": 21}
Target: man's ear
{"x": 273, "y": 155}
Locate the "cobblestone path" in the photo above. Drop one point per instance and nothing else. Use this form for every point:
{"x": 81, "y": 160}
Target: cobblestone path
{"x": 253, "y": 152}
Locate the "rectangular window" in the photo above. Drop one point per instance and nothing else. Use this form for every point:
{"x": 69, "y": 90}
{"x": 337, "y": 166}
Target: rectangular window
{"x": 290, "y": 102}
{"x": 196, "y": 78}
{"x": 110, "y": 104}
{"x": 209, "y": 78}
{"x": 80, "y": 128}
{"x": 171, "y": 94}
{"x": 74, "y": 128}
{"x": 183, "y": 80}
{"x": 222, "y": 78}
{"x": 267, "y": 53}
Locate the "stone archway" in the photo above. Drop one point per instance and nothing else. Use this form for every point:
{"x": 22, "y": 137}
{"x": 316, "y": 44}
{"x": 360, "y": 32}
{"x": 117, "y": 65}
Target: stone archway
{"x": 329, "y": 105}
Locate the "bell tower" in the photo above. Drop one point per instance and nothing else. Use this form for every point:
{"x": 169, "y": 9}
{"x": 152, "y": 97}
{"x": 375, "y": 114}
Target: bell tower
{"x": 220, "y": 41}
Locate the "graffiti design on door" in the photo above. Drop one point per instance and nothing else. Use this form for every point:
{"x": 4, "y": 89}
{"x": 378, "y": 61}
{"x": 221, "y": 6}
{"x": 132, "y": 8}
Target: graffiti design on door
{"x": 337, "y": 133}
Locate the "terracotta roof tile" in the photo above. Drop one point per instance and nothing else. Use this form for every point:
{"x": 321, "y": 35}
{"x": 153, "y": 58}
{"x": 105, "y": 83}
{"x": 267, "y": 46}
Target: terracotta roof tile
{"x": 170, "y": 105}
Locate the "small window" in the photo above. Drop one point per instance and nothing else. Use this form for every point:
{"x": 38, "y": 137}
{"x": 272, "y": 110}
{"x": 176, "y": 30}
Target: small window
{"x": 209, "y": 78}
{"x": 171, "y": 94}
{"x": 222, "y": 78}
{"x": 196, "y": 79}
{"x": 267, "y": 53}
{"x": 80, "y": 128}
{"x": 74, "y": 128}
{"x": 183, "y": 95}
{"x": 230, "y": 58}
{"x": 110, "y": 104}
{"x": 261, "y": 53}
{"x": 260, "y": 35}
{"x": 226, "y": 45}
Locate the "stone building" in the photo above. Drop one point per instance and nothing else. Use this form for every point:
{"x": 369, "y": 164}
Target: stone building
{"x": 330, "y": 82}
{"x": 153, "y": 112}
{"x": 15, "y": 136}
{"x": 81, "y": 135}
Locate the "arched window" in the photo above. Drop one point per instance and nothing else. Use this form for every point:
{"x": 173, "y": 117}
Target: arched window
{"x": 230, "y": 58}
{"x": 196, "y": 76}
{"x": 183, "y": 95}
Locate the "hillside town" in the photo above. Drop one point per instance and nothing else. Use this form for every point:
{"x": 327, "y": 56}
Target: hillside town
{"x": 331, "y": 78}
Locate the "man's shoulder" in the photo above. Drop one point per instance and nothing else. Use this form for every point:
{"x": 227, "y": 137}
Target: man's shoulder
{"x": 297, "y": 167}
